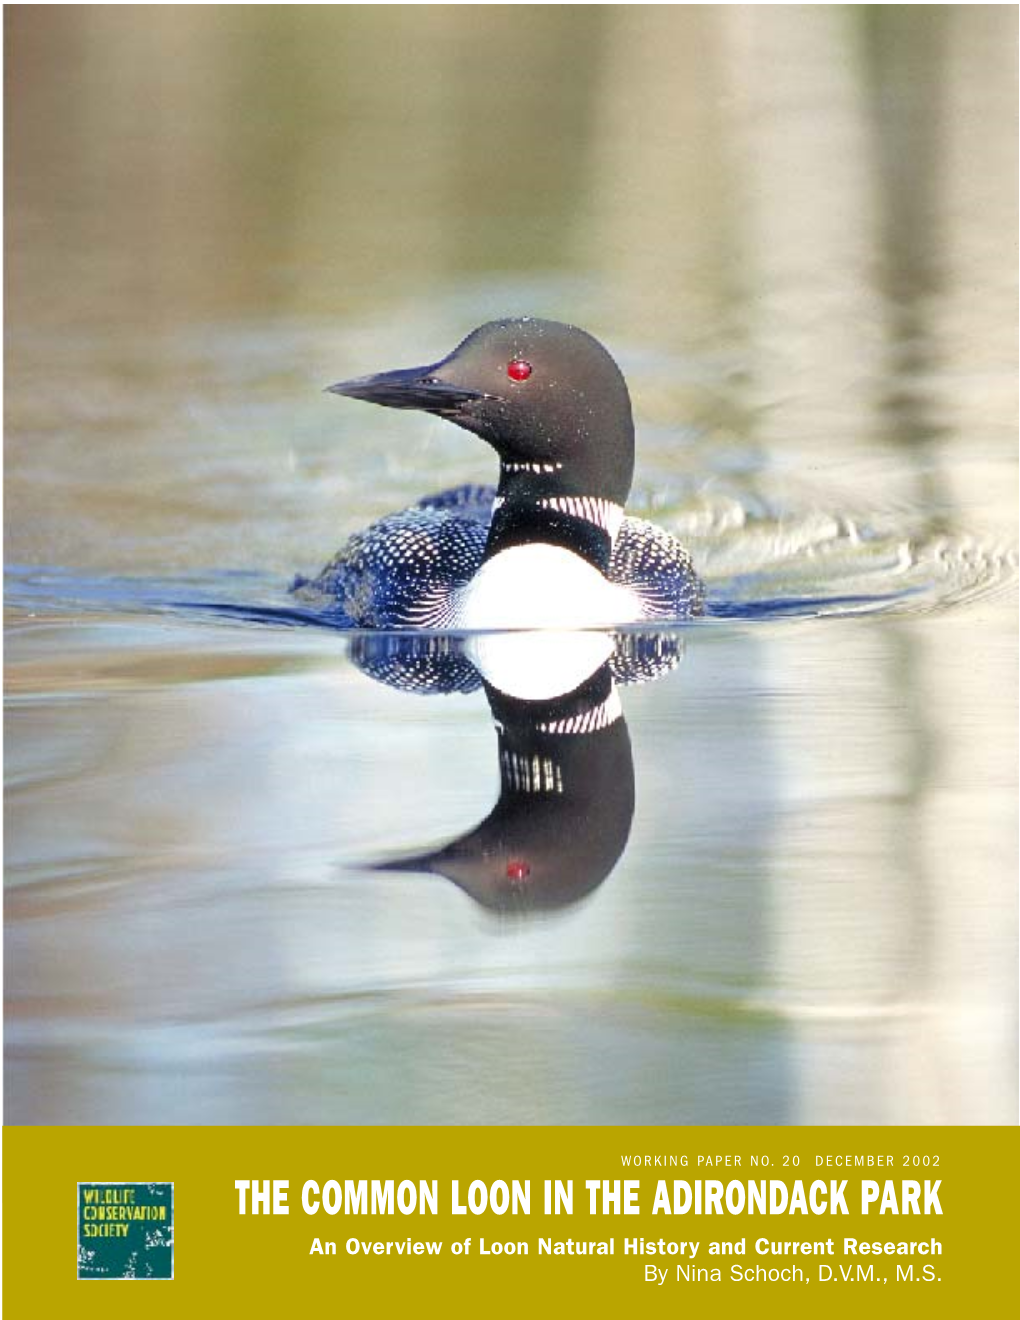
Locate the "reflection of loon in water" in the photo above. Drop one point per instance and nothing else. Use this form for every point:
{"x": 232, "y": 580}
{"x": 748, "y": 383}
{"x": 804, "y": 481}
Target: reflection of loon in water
{"x": 550, "y": 547}
{"x": 566, "y": 773}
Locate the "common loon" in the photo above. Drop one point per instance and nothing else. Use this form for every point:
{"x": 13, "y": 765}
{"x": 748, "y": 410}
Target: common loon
{"x": 566, "y": 774}
{"x": 566, "y": 802}
{"x": 550, "y": 546}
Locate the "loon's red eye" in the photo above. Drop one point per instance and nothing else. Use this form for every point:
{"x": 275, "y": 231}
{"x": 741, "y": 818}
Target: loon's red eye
{"x": 517, "y": 870}
{"x": 518, "y": 369}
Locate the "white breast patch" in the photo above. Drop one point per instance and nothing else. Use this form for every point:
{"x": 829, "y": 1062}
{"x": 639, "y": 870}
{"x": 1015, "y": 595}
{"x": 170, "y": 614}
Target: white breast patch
{"x": 541, "y": 586}
{"x": 539, "y": 665}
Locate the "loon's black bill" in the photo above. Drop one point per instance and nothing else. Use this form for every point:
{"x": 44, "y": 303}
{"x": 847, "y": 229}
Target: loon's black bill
{"x": 413, "y": 387}
{"x": 419, "y": 863}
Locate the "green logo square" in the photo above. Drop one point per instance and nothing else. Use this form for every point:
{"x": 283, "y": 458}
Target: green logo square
{"x": 125, "y": 1230}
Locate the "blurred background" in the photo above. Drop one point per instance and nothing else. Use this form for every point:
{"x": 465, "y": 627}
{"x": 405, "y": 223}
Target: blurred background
{"x": 795, "y": 227}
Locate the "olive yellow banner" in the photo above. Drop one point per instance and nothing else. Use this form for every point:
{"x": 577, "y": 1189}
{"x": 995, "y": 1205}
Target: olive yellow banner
{"x": 851, "y": 1221}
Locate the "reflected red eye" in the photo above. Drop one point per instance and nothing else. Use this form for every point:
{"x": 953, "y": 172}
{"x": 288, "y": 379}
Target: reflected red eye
{"x": 518, "y": 369}
{"x": 516, "y": 870}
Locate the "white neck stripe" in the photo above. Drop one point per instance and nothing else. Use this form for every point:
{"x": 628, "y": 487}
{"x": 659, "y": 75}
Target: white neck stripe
{"x": 591, "y": 720}
{"x": 532, "y": 467}
{"x": 591, "y": 508}
{"x": 603, "y": 513}
{"x": 531, "y": 774}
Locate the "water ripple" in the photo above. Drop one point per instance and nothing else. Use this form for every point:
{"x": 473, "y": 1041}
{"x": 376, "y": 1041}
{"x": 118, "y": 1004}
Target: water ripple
{"x": 757, "y": 564}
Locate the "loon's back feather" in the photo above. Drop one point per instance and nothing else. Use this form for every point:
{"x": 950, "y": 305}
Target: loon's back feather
{"x": 406, "y": 566}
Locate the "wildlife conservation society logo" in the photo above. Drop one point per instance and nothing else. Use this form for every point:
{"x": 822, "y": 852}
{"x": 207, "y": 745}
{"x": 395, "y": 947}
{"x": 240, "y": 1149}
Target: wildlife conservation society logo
{"x": 125, "y": 1230}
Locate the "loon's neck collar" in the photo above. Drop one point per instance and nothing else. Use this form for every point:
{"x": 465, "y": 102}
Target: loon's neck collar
{"x": 532, "y": 507}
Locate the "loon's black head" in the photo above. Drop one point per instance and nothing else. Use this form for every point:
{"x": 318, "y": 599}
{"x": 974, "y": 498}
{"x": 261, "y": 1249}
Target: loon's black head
{"x": 547, "y": 397}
